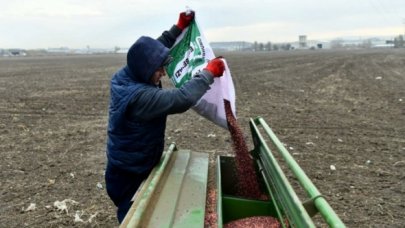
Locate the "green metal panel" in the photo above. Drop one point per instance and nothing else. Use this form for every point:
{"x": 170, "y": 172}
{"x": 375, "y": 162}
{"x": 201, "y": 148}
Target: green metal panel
{"x": 174, "y": 195}
{"x": 234, "y": 208}
{"x": 279, "y": 185}
{"x": 190, "y": 211}
{"x": 146, "y": 191}
{"x": 169, "y": 193}
{"x": 219, "y": 194}
{"x": 231, "y": 207}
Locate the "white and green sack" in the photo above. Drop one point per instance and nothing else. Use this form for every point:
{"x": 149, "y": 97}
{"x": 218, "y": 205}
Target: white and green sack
{"x": 191, "y": 54}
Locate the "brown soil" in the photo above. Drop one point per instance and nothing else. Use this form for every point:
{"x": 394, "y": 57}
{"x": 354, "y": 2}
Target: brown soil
{"x": 345, "y": 109}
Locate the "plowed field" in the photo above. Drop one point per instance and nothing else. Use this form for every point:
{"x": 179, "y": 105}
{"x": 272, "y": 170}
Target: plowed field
{"x": 344, "y": 109}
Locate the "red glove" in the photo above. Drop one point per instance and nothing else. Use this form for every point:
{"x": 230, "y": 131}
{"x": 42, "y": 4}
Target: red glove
{"x": 185, "y": 19}
{"x": 216, "y": 67}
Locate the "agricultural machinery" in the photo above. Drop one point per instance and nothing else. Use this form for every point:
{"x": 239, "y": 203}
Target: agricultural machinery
{"x": 175, "y": 193}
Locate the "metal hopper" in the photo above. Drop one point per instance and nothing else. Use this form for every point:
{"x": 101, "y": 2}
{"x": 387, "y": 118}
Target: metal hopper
{"x": 174, "y": 195}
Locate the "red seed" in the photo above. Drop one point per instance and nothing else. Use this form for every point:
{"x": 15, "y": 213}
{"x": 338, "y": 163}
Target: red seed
{"x": 210, "y": 210}
{"x": 248, "y": 185}
{"x": 254, "y": 222}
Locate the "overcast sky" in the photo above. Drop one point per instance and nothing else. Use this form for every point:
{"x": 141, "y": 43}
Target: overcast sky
{"x": 108, "y": 23}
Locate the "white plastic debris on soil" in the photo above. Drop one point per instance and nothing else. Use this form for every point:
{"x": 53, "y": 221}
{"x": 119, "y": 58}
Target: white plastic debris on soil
{"x": 31, "y": 207}
{"x": 92, "y": 217}
{"x": 78, "y": 217}
{"x": 62, "y": 205}
{"x": 78, "y": 214}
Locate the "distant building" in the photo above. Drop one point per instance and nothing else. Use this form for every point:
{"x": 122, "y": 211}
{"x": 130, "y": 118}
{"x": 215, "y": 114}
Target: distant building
{"x": 359, "y": 43}
{"x": 231, "y": 46}
{"x": 383, "y": 46}
{"x": 122, "y": 51}
{"x": 64, "y": 50}
{"x": 88, "y": 50}
{"x": 12, "y": 52}
{"x": 302, "y": 41}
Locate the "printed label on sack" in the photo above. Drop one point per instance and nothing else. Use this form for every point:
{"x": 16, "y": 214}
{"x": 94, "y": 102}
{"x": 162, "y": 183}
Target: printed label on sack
{"x": 191, "y": 53}
{"x": 189, "y": 57}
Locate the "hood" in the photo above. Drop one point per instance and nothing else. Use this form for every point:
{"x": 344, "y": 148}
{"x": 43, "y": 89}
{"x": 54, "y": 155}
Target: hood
{"x": 144, "y": 57}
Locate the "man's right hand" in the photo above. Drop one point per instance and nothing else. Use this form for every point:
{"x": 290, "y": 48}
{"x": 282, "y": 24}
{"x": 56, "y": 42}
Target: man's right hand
{"x": 185, "y": 19}
{"x": 216, "y": 67}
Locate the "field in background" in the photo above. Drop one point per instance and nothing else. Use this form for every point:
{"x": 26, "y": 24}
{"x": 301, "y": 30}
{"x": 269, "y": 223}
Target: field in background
{"x": 343, "y": 109}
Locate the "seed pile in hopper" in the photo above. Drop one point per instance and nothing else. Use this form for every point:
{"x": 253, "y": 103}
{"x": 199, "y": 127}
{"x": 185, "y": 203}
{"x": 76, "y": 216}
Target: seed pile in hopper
{"x": 254, "y": 222}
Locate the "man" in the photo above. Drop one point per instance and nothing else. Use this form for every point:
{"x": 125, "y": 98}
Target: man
{"x": 139, "y": 108}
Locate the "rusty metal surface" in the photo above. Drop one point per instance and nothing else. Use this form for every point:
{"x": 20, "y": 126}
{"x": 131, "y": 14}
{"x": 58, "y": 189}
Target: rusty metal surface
{"x": 174, "y": 195}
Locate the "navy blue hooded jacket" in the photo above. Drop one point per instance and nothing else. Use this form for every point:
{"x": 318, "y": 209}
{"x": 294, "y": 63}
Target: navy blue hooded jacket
{"x": 138, "y": 108}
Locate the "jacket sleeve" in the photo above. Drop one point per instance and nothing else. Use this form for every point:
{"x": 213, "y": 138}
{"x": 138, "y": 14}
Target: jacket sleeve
{"x": 168, "y": 38}
{"x": 152, "y": 102}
